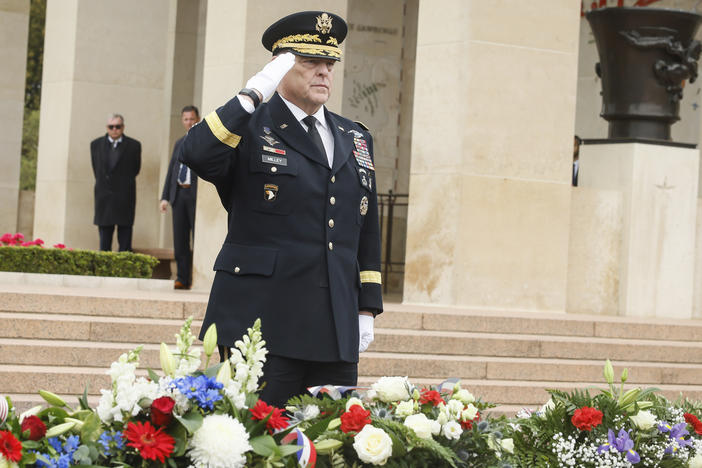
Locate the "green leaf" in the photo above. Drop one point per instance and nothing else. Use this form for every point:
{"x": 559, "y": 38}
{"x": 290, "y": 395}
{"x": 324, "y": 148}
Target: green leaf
{"x": 31, "y": 444}
{"x": 90, "y": 432}
{"x": 180, "y": 435}
{"x": 83, "y": 400}
{"x": 58, "y": 413}
{"x": 288, "y": 449}
{"x": 191, "y": 421}
{"x": 153, "y": 376}
{"x": 212, "y": 370}
{"x": 264, "y": 445}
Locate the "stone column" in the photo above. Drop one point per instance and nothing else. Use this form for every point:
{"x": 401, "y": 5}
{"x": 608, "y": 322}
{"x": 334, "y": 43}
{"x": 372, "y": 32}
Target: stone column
{"x": 102, "y": 57}
{"x": 492, "y": 140}
{"x": 14, "y": 26}
{"x": 233, "y": 53}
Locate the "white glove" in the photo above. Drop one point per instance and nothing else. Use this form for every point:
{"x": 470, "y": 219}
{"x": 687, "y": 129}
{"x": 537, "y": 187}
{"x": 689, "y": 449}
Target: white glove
{"x": 365, "y": 332}
{"x": 266, "y": 81}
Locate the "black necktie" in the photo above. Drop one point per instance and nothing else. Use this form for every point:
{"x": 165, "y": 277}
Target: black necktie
{"x": 310, "y": 121}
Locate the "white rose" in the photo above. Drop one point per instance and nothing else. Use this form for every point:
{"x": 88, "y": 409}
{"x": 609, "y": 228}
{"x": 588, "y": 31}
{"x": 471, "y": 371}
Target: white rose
{"x": 465, "y": 396}
{"x": 507, "y": 445}
{"x": 310, "y": 412}
{"x": 644, "y": 420}
{"x": 392, "y": 388}
{"x": 452, "y": 430}
{"x": 420, "y": 424}
{"x": 353, "y": 401}
{"x": 405, "y": 408}
{"x": 435, "y": 427}
{"x": 696, "y": 461}
{"x": 469, "y": 413}
{"x": 373, "y": 445}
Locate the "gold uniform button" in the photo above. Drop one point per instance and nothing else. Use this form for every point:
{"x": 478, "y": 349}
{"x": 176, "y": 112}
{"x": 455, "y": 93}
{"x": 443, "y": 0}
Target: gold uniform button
{"x": 332, "y": 200}
{"x": 237, "y": 269}
{"x": 331, "y": 246}
{"x": 333, "y": 179}
{"x": 331, "y": 223}
{"x": 274, "y": 169}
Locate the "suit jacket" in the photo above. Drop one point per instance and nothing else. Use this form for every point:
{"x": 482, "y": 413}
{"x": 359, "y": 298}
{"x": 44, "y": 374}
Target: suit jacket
{"x": 303, "y": 247}
{"x": 170, "y": 185}
{"x": 115, "y": 187}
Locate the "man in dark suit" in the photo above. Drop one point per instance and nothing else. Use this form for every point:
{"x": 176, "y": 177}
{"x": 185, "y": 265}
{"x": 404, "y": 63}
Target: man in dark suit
{"x": 180, "y": 190}
{"x": 116, "y": 161}
{"x": 303, "y": 247}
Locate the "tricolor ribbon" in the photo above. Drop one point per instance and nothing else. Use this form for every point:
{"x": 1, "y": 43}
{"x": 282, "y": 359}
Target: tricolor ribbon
{"x": 4, "y": 409}
{"x": 307, "y": 455}
{"x": 335, "y": 392}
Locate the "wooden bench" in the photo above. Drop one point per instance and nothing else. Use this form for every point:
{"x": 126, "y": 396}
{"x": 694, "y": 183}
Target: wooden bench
{"x": 165, "y": 258}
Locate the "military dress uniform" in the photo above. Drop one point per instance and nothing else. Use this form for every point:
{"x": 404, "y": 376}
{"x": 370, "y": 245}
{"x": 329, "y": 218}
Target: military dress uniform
{"x": 303, "y": 247}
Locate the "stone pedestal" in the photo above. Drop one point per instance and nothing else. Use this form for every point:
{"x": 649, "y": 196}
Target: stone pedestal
{"x": 14, "y": 25}
{"x": 658, "y": 184}
{"x": 492, "y": 140}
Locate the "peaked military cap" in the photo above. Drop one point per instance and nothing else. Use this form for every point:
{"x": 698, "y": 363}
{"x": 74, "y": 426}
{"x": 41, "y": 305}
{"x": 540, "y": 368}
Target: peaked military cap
{"x": 307, "y": 33}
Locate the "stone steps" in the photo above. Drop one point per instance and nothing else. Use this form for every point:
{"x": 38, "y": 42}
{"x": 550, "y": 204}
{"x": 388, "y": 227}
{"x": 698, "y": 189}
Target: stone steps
{"x": 62, "y": 339}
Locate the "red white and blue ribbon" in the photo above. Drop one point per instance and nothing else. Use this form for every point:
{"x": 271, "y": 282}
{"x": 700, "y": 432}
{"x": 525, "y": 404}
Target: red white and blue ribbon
{"x": 335, "y": 392}
{"x": 4, "y": 409}
{"x": 307, "y": 455}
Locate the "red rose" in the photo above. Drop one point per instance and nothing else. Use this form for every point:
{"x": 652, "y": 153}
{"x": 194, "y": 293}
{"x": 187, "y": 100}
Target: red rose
{"x": 162, "y": 411}
{"x": 586, "y": 418}
{"x": 692, "y": 420}
{"x": 10, "y": 447}
{"x": 277, "y": 419}
{"x": 354, "y": 419}
{"x": 430, "y": 396}
{"x": 35, "y": 426}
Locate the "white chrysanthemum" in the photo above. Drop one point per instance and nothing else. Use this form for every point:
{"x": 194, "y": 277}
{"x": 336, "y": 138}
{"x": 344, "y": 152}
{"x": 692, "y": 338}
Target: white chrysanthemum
{"x": 310, "y": 412}
{"x": 373, "y": 445}
{"x": 405, "y": 408}
{"x": 392, "y": 388}
{"x": 420, "y": 424}
{"x": 452, "y": 430}
{"x": 221, "y": 442}
{"x": 644, "y": 420}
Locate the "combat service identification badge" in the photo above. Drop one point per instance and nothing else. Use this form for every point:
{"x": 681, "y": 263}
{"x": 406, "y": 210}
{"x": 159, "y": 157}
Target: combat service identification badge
{"x": 270, "y": 192}
{"x": 364, "y": 205}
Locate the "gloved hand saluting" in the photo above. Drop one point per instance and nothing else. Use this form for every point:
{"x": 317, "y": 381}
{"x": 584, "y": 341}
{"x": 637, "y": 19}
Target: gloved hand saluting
{"x": 266, "y": 81}
{"x": 365, "y": 332}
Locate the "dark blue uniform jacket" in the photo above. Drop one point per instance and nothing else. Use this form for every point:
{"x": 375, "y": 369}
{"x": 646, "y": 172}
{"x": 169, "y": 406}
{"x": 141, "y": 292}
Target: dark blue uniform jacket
{"x": 303, "y": 247}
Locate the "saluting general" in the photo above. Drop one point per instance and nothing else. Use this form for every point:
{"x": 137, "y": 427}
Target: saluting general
{"x": 298, "y": 181}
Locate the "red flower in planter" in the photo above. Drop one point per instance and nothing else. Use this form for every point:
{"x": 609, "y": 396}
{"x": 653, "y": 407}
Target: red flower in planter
{"x": 586, "y": 418}
{"x": 6, "y": 238}
{"x": 38, "y": 242}
{"x": 35, "y": 426}
{"x": 162, "y": 411}
{"x": 354, "y": 419}
{"x": 59, "y": 246}
{"x": 10, "y": 447}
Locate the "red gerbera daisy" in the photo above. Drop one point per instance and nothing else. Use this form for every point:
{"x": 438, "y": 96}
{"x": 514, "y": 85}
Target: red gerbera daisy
{"x": 10, "y": 447}
{"x": 149, "y": 442}
{"x": 692, "y": 420}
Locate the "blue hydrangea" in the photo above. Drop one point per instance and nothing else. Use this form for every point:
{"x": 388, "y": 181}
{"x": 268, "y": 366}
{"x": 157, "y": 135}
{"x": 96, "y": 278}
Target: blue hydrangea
{"x": 64, "y": 452}
{"x": 111, "y": 440}
{"x": 202, "y": 389}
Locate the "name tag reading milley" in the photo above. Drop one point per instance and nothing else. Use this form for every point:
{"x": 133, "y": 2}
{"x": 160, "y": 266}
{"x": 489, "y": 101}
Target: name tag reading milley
{"x": 270, "y": 159}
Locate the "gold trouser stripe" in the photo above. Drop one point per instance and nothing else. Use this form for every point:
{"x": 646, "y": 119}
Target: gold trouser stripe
{"x": 220, "y": 131}
{"x": 370, "y": 277}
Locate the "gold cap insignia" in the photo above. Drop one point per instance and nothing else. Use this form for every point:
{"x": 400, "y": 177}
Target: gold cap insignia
{"x": 324, "y": 23}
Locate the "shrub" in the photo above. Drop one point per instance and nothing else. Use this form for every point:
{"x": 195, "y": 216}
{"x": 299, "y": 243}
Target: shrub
{"x": 76, "y": 262}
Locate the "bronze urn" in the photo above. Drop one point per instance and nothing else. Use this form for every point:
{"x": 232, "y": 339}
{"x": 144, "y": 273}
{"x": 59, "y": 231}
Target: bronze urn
{"x": 646, "y": 55}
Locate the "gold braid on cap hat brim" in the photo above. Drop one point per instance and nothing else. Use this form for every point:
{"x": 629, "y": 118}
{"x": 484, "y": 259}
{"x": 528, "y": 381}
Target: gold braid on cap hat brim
{"x": 301, "y": 43}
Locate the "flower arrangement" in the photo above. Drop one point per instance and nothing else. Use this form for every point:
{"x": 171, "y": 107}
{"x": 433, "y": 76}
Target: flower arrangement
{"x": 614, "y": 428}
{"x": 17, "y": 240}
{"x": 213, "y": 418}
